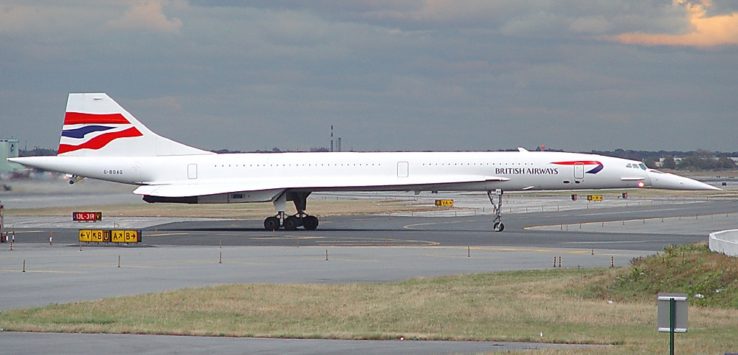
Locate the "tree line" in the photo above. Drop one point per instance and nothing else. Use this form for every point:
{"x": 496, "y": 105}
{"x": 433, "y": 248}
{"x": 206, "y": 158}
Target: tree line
{"x": 677, "y": 160}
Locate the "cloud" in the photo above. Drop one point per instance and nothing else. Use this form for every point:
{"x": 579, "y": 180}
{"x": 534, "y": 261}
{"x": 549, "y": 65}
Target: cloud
{"x": 18, "y": 18}
{"x": 164, "y": 103}
{"x": 704, "y": 30}
{"x": 533, "y": 71}
{"x": 590, "y": 24}
{"x": 148, "y": 16}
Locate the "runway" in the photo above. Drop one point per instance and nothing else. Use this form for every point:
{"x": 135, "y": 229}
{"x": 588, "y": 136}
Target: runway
{"x": 357, "y": 248}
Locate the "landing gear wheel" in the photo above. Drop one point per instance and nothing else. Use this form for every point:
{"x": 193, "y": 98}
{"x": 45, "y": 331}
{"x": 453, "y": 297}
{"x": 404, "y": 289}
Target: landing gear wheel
{"x": 310, "y": 223}
{"x": 291, "y": 223}
{"x": 495, "y": 197}
{"x": 498, "y": 227}
{"x": 271, "y": 223}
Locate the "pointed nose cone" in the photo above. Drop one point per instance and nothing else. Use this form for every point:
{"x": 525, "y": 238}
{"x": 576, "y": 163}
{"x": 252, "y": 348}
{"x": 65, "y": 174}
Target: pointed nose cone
{"x": 668, "y": 181}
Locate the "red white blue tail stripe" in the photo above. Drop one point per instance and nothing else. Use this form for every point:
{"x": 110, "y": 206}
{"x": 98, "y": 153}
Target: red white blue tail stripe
{"x": 93, "y": 131}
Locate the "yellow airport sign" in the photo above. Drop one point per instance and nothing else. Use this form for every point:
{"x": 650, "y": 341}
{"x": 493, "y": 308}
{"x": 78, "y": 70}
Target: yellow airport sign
{"x": 445, "y": 203}
{"x": 132, "y": 236}
{"x": 595, "y": 198}
{"x": 84, "y": 235}
{"x": 96, "y": 235}
{"x": 109, "y": 236}
{"x": 118, "y": 236}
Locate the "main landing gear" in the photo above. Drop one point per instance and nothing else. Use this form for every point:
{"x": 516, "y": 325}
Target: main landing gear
{"x": 291, "y": 223}
{"x": 300, "y": 219}
{"x": 497, "y": 225}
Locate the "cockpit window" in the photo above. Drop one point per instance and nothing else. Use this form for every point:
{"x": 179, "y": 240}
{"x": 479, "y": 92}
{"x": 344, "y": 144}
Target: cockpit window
{"x": 637, "y": 166}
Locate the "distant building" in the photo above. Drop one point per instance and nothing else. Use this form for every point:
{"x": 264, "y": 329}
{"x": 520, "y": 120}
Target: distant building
{"x": 8, "y": 149}
{"x": 660, "y": 162}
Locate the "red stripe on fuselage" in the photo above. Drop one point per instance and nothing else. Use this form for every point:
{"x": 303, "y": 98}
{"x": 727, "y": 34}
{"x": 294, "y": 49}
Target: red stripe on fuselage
{"x": 100, "y": 141}
{"x": 577, "y": 162}
{"x": 85, "y": 118}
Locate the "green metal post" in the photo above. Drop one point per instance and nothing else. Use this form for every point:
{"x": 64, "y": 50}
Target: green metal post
{"x": 672, "y": 320}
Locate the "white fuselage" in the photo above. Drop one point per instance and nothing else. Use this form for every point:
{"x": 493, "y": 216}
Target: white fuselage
{"x": 419, "y": 171}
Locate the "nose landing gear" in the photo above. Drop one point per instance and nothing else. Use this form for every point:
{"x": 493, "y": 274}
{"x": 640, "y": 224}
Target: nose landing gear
{"x": 497, "y": 224}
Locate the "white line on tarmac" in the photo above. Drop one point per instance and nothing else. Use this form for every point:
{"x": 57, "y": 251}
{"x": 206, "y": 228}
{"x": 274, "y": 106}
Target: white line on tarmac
{"x": 412, "y": 226}
{"x": 621, "y": 212}
{"x": 165, "y": 234}
{"x": 623, "y": 241}
{"x": 42, "y": 271}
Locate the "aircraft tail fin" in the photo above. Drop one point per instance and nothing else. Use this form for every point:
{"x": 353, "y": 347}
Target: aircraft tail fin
{"x": 95, "y": 125}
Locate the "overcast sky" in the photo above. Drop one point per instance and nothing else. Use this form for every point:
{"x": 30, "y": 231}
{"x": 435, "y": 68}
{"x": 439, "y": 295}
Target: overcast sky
{"x": 578, "y": 75}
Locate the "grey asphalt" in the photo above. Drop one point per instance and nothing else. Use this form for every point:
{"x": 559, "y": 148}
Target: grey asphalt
{"x": 435, "y": 231}
{"x": 63, "y": 274}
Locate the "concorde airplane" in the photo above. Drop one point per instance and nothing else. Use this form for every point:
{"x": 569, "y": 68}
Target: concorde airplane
{"x": 101, "y": 140}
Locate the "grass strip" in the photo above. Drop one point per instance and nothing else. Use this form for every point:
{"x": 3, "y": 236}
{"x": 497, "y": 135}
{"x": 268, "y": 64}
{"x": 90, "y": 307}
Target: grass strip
{"x": 710, "y": 279}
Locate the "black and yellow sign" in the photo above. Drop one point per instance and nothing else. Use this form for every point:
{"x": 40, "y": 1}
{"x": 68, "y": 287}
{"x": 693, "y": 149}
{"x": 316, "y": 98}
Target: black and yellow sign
{"x": 93, "y": 235}
{"x": 85, "y": 235}
{"x": 125, "y": 236}
{"x": 595, "y": 198}
{"x": 109, "y": 236}
{"x": 445, "y": 203}
{"x": 118, "y": 236}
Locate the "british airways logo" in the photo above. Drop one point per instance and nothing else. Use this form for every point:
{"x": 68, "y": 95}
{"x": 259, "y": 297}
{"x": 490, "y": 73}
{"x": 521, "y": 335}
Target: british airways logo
{"x": 594, "y": 170}
{"x": 93, "y": 131}
{"x": 526, "y": 171}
